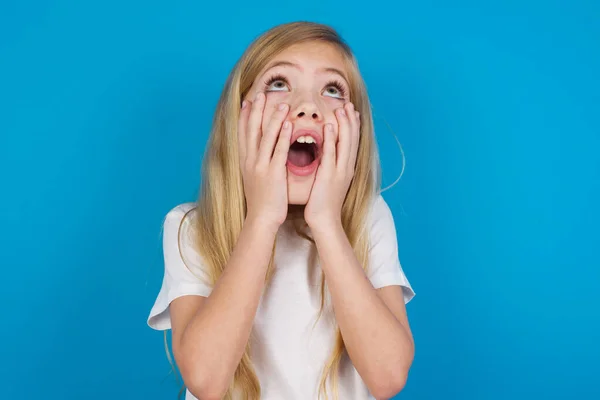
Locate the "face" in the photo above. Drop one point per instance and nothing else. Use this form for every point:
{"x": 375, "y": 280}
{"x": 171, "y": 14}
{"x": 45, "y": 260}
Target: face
{"x": 312, "y": 79}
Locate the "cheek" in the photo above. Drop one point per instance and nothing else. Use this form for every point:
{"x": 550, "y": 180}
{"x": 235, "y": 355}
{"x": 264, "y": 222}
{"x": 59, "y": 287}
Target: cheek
{"x": 329, "y": 117}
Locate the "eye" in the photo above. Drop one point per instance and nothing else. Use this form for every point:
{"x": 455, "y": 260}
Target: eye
{"x": 276, "y": 83}
{"x": 335, "y": 89}
{"x": 332, "y": 91}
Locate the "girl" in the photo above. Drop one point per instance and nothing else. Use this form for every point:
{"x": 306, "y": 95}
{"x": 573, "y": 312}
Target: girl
{"x": 283, "y": 281}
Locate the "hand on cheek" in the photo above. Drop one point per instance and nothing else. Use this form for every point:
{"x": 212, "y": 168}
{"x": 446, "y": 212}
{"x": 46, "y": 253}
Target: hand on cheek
{"x": 263, "y": 149}
{"x": 336, "y": 170}
{"x": 269, "y": 112}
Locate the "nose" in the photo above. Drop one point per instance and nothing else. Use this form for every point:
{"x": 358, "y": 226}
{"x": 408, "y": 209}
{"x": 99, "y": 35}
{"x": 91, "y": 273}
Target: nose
{"x": 314, "y": 115}
{"x": 307, "y": 111}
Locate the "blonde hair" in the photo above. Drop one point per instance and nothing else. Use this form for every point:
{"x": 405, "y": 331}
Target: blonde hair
{"x": 221, "y": 207}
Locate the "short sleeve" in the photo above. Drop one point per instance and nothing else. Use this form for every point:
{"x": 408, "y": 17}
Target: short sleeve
{"x": 384, "y": 263}
{"x": 183, "y": 272}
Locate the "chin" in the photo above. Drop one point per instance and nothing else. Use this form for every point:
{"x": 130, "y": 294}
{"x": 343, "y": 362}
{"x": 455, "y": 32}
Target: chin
{"x": 299, "y": 188}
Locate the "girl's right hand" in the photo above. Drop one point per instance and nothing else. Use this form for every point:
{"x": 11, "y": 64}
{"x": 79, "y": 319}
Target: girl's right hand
{"x": 263, "y": 158}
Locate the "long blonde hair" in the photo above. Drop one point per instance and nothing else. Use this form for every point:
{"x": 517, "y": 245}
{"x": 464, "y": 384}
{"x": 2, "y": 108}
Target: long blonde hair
{"x": 221, "y": 207}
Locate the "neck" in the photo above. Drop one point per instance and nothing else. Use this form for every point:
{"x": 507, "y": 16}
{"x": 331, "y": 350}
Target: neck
{"x": 295, "y": 211}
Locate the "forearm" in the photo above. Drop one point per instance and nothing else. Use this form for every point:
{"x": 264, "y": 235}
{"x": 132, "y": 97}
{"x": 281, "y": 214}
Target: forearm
{"x": 379, "y": 345}
{"x": 214, "y": 340}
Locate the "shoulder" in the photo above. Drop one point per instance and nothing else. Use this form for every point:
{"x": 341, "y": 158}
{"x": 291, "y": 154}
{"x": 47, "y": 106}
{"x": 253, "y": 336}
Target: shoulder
{"x": 178, "y": 220}
{"x": 381, "y": 228}
{"x": 385, "y": 268}
{"x": 379, "y": 206}
{"x": 184, "y": 272}
{"x": 176, "y": 215}
{"x": 380, "y": 214}
{"x": 178, "y": 233}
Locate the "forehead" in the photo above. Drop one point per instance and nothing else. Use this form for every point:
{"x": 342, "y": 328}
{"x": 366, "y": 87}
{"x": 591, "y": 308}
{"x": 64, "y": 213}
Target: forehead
{"x": 312, "y": 56}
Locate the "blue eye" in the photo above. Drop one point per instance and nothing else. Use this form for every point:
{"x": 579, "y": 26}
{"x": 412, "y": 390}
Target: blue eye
{"x": 276, "y": 83}
{"x": 336, "y": 90}
{"x": 279, "y": 83}
{"x": 332, "y": 91}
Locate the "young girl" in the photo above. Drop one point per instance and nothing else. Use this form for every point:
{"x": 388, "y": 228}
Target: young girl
{"x": 283, "y": 281}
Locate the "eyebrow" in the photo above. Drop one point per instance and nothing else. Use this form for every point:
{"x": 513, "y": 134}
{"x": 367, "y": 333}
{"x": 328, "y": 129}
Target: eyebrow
{"x": 290, "y": 64}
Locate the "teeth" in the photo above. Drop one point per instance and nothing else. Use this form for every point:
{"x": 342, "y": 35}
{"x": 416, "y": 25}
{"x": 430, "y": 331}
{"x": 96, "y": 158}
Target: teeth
{"x": 305, "y": 139}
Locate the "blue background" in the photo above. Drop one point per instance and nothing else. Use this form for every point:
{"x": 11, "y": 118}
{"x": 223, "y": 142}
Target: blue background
{"x": 104, "y": 113}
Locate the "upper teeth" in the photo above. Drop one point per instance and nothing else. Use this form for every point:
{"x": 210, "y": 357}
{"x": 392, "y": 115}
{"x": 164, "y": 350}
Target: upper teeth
{"x": 305, "y": 139}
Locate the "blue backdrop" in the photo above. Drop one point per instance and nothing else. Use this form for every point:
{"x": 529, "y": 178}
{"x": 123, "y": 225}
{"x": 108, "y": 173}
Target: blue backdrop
{"x": 104, "y": 113}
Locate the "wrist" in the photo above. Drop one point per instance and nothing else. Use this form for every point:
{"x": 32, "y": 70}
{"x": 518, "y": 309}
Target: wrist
{"x": 261, "y": 227}
{"x": 326, "y": 228}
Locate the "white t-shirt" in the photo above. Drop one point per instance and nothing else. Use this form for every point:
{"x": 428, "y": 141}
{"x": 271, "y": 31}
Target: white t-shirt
{"x": 287, "y": 352}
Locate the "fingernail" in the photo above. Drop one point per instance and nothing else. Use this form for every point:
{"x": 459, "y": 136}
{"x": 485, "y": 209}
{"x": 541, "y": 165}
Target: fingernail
{"x": 286, "y": 124}
{"x": 282, "y": 107}
{"x": 244, "y": 104}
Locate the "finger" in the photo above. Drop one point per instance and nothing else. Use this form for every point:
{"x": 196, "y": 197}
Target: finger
{"x": 354, "y": 128}
{"x": 242, "y": 127}
{"x": 355, "y": 141}
{"x": 272, "y": 131}
{"x": 254, "y": 123}
{"x": 344, "y": 140}
{"x": 351, "y": 113}
{"x": 283, "y": 144}
{"x": 329, "y": 138}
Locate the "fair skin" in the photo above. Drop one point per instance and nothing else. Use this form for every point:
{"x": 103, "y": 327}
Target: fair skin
{"x": 373, "y": 322}
{"x": 310, "y": 80}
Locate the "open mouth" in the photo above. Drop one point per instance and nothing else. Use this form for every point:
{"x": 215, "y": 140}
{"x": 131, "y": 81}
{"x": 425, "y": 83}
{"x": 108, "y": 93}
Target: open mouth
{"x": 303, "y": 152}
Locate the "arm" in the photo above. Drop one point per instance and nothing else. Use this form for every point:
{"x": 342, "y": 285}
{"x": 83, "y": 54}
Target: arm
{"x": 210, "y": 334}
{"x": 372, "y": 321}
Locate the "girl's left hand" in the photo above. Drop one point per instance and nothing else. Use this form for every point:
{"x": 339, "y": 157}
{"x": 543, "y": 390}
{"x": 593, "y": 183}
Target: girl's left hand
{"x": 336, "y": 170}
